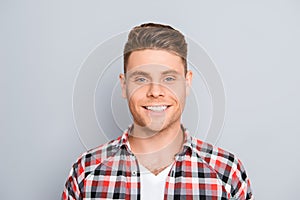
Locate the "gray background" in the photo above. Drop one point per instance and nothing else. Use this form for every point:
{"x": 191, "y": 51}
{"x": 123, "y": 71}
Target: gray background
{"x": 255, "y": 45}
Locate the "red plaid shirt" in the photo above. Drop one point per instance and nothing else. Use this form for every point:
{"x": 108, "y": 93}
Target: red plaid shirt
{"x": 200, "y": 171}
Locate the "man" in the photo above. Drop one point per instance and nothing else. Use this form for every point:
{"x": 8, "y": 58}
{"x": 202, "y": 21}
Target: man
{"x": 156, "y": 157}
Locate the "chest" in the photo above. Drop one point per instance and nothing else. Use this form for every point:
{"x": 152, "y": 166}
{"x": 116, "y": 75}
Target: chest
{"x": 122, "y": 180}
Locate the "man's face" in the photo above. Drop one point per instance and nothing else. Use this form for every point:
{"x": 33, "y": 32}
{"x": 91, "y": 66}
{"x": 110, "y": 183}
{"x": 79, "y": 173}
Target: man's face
{"x": 155, "y": 86}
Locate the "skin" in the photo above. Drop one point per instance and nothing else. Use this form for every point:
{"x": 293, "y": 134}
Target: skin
{"x": 155, "y": 78}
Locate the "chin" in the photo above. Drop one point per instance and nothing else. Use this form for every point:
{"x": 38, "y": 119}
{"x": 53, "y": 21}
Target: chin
{"x": 151, "y": 128}
{"x": 156, "y": 127}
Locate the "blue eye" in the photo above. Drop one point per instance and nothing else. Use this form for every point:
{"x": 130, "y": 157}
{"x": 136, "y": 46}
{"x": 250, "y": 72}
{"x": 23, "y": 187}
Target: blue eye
{"x": 141, "y": 80}
{"x": 168, "y": 79}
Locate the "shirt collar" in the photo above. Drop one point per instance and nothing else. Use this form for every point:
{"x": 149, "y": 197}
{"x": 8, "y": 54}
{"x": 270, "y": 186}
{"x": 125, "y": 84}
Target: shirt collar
{"x": 188, "y": 141}
{"x": 124, "y": 140}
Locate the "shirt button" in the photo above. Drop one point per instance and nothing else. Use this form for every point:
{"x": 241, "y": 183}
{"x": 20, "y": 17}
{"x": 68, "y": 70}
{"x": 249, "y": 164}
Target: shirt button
{"x": 133, "y": 173}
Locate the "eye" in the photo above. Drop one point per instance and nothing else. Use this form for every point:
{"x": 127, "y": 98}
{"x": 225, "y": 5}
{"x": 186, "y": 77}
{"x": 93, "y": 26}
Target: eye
{"x": 169, "y": 79}
{"x": 140, "y": 79}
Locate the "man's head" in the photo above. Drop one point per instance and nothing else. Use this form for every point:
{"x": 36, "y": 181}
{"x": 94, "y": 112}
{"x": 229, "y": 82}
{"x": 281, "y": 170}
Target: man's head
{"x": 156, "y": 80}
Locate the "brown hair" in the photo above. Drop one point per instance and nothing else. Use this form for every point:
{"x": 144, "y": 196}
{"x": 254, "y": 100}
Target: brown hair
{"x": 156, "y": 36}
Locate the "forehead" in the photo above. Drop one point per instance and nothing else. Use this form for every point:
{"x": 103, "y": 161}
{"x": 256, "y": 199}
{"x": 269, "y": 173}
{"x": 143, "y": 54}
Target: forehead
{"x": 150, "y": 59}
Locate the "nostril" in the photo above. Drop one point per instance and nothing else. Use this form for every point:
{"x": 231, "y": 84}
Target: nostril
{"x": 155, "y": 90}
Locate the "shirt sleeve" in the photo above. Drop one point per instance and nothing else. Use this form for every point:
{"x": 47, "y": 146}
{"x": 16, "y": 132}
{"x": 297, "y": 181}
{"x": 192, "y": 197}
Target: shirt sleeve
{"x": 71, "y": 190}
{"x": 241, "y": 188}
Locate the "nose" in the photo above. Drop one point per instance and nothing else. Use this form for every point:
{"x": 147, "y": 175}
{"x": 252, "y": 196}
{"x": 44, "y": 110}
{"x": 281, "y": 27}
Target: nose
{"x": 155, "y": 90}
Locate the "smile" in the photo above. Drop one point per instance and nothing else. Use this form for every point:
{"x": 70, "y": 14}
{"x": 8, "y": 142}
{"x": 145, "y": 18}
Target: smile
{"x": 159, "y": 108}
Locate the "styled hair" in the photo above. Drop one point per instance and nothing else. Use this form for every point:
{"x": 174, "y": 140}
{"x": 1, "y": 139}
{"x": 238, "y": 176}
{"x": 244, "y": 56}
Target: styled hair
{"x": 157, "y": 37}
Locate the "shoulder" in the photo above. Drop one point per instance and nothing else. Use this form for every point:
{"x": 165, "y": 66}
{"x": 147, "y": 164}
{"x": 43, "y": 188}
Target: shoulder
{"x": 228, "y": 167}
{"x": 91, "y": 159}
{"x": 222, "y": 161}
{"x": 85, "y": 165}
{"x": 213, "y": 155}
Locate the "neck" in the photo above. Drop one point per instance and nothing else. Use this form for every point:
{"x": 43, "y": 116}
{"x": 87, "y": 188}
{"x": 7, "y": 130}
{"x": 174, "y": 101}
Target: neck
{"x": 158, "y": 150}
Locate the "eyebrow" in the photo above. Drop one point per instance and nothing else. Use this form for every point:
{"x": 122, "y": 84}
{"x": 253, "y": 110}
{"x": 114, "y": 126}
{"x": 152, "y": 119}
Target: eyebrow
{"x": 170, "y": 72}
{"x": 142, "y": 73}
{"x": 139, "y": 73}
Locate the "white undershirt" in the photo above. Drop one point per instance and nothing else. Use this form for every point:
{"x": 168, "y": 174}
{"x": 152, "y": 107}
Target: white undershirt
{"x": 152, "y": 187}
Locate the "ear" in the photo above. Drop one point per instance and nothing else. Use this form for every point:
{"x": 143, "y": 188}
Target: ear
{"x": 123, "y": 85}
{"x": 188, "y": 81}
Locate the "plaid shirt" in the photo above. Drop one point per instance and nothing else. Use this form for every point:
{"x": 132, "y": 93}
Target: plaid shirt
{"x": 200, "y": 171}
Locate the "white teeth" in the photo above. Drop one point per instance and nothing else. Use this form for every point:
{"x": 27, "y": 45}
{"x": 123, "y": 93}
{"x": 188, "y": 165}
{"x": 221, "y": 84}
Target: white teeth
{"x": 156, "y": 108}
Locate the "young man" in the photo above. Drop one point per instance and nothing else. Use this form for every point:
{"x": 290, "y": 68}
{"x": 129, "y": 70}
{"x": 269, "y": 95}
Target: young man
{"x": 156, "y": 157}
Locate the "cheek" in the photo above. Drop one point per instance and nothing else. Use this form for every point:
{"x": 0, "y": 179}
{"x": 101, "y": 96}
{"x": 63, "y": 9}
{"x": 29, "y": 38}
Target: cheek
{"x": 131, "y": 90}
{"x": 177, "y": 91}
{"x": 135, "y": 98}
{"x": 135, "y": 93}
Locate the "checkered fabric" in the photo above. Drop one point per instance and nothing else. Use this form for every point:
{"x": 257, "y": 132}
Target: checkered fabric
{"x": 200, "y": 171}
